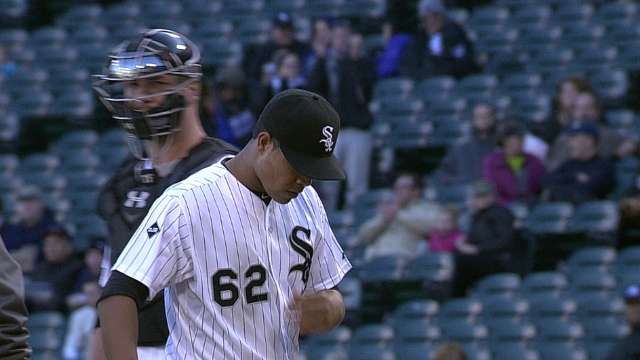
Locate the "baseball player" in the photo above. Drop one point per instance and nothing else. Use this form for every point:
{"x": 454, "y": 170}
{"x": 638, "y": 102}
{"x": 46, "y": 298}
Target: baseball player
{"x": 243, "y": 247}
{"x": 152, "y": 86}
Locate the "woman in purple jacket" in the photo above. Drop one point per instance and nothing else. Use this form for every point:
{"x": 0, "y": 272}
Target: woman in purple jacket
{"x": 516, "y": 175}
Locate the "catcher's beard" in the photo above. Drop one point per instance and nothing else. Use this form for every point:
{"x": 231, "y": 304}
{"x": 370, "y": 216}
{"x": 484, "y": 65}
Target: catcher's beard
{"x": 157, "y": 149}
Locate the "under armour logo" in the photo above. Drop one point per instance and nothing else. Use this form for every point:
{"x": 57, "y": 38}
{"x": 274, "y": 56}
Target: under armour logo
{"x": 153, "y": 229}
{"x": 328, "y": 138}
{"x": 136, "y": 199}
{"x": 304, "y": 249}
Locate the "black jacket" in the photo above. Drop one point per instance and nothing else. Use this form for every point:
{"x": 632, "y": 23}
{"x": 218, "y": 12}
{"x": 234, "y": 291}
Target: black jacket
{"x": 492, "y": 230}
{"x": 563, "y": 184}
{"x": 13, "y": 313}
{"x": 457, "y": 57}
{"x": 353, "y": 92}
{"x": 628, "y": 348}
{"x": 256, "y": 57}
{"x": 124, "y": 202}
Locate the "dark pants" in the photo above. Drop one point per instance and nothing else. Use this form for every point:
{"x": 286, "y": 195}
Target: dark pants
{"x": 471, "y": 268}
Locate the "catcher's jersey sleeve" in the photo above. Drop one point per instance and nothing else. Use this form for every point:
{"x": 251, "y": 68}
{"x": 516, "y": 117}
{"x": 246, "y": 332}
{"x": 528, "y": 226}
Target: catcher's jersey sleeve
{"x": 159, "y": 252}
{"x": 329, "y": 264}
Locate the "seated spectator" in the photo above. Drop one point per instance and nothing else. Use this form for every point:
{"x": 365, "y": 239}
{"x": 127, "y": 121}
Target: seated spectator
{"x": 562, "y": 108}
{"x": 288, "y": 76}
{"x": 24, "y": 238}
{"x": 90, "y": 272}
{"x": 489, "y": 242}
{"x": 585, "y": 175}
{"x": 282, "y": 38}
{"x": 515, "y": 174}
{"x": 446, "y": 233}
{"x": 346, "y": 78}
{"x": 611, "y": 144}
{"x": 441, "y": 48}
{"x": 397, "y": 36}
{"x": 227, "y": 107}
{"x": 629, "y": 347}
{"x": 463, "y": 162}
{"x": 81, "y": 324}
{"x": 402, "y": 222}
{"x": 58, "y": 272}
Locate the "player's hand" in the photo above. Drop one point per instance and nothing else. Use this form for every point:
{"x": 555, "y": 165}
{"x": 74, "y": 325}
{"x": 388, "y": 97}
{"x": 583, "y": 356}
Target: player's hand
{"x": 319, "y": 312}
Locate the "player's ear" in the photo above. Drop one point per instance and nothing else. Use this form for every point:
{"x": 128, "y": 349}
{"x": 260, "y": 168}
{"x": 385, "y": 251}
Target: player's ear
{"x": 264, "y": 142}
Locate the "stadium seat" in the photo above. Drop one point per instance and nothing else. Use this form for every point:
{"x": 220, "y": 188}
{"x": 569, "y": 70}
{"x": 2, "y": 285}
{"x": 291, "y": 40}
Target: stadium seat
{"x": 415, "y": 350}
{"x": 592, "y": 282}
{"x": 73, "y": 104}
{"x": 49, "y": 184}
{"x": 573, "y": 12}
{"x": 374, "y": 335}
{"x": 488, "y": 15}
{"x": 430, "y": 266}
{"x": 76, "y": 140}
{"x": 522, "y": 82}
{"x": 630, "y": 58}
{"x": 39, "y": 163}
{"x": 367, "y": 353}
{"x": 557, "y": 330}
{"x": 448, "y": 133}
{"x": 601, "y": 335}
{"x": 8, "y": 164}
{"x": 622, "y": 119}
{"x": 611, "y": 84}
{"x": 382, "y": 268}
{"x": 545, "y": 284}
{"x": 552, "y": 307}
{"x": 465, "y": 309}
{"x": 326, "y": 352}
{"x": 397, "y": 106}
{"x": 435, "y": 86}
{"x": 9, "y": 127}
{"x": 506, "y": 284}
{"x": 338, "y": 336}
{"x": 45, "y": 321}
{"x": 415, "y": 310}
{"x": 81, "y": 13}
{"x": 48, "y": 36}
{"x": 559, "y": 351}
{"x": 509, "y": 331}
{"x": 253, "y": 31}
{"x": 617, "y": 12}
{"x": 464, "y": 332}
{"x": 13, "y": 37}
{"x": 500, "y": 307}
{"x": 511, "y": 352}
{"x": 415, "y": 331}
{"x": 595, "y": 216}
{"x": 622, "y": 34}
{"x": 457, "y": 194}
{"x": 628, "y": 259}
{"x": 393, "y": 88}
{"x": 600, "y": 308}
{"x": 532, "y": 107}
{"x": 549, "y": 217}
{"x": 220, "y": 52}
{"x": 592, "y": 258}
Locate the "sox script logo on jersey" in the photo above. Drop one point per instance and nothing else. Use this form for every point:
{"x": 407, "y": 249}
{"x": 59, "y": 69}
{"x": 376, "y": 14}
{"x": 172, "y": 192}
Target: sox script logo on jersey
{"x": 232, "y": 264}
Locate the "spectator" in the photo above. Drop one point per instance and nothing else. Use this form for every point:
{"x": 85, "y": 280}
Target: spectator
{"x": 629, "y": 347}
{"x": 7, "y": 66}
{"x": 489, "y": 241}
{"x": 282, "y": 37}
{"x": 515, "y": 174}
{"x": 58, "y": 272}
{"x": 463, "y": 162}
{"x": 13, "y": 312}
{"x": 88, "y": 274}
{"x": 346, "y": 79}
{"x": 402, "y": 222}
{"x": 320, "y": 42}
{"x": 562, "y": 108}
{"x": 81, "y": 324}
{"x": 450, "y": 351}
{"x": 24, "y": 238}
{"x": 288, "y": 76}
{"x": 441, "y": 48}
{"x": 228, "y": 109}
{"x": 397, "y": 36}
{"x": 585, "y": 175}
{"x": 446, "y": 233}
{"x": 587, "y": 109}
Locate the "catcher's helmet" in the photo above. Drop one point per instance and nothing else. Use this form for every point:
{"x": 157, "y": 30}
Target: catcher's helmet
{"x": 152, "y": 53}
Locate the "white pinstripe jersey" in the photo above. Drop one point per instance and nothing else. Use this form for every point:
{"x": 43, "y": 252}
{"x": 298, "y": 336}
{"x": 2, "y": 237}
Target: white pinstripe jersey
{"x": 232, "y": 264}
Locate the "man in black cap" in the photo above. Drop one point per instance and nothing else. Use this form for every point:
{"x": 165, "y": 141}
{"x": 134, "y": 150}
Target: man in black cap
{"x": 629, "y": 347}
{"x": 585, "y": 175}
{"x": 243, "y": 247}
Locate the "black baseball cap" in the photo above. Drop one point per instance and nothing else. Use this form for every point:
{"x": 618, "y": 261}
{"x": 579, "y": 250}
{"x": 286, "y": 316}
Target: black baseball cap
{"x": 306, "y": 126}
{"x": 283, "y": 20}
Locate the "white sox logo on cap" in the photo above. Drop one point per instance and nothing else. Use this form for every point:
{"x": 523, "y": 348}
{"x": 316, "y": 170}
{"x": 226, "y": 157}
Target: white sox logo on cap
{"x": 328, "y": 138}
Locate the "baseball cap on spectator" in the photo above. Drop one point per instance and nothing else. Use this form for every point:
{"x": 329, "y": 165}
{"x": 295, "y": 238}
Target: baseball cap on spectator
{"x": 632, "y": 293}
{"x": 283, "y": 21}
{"x": 29, "y": 193}
{"x": 431, "y": 6}
{"x": 58, "y": 231}
{"x": 583, "y": 128}
{"x": 482, "y": 188}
